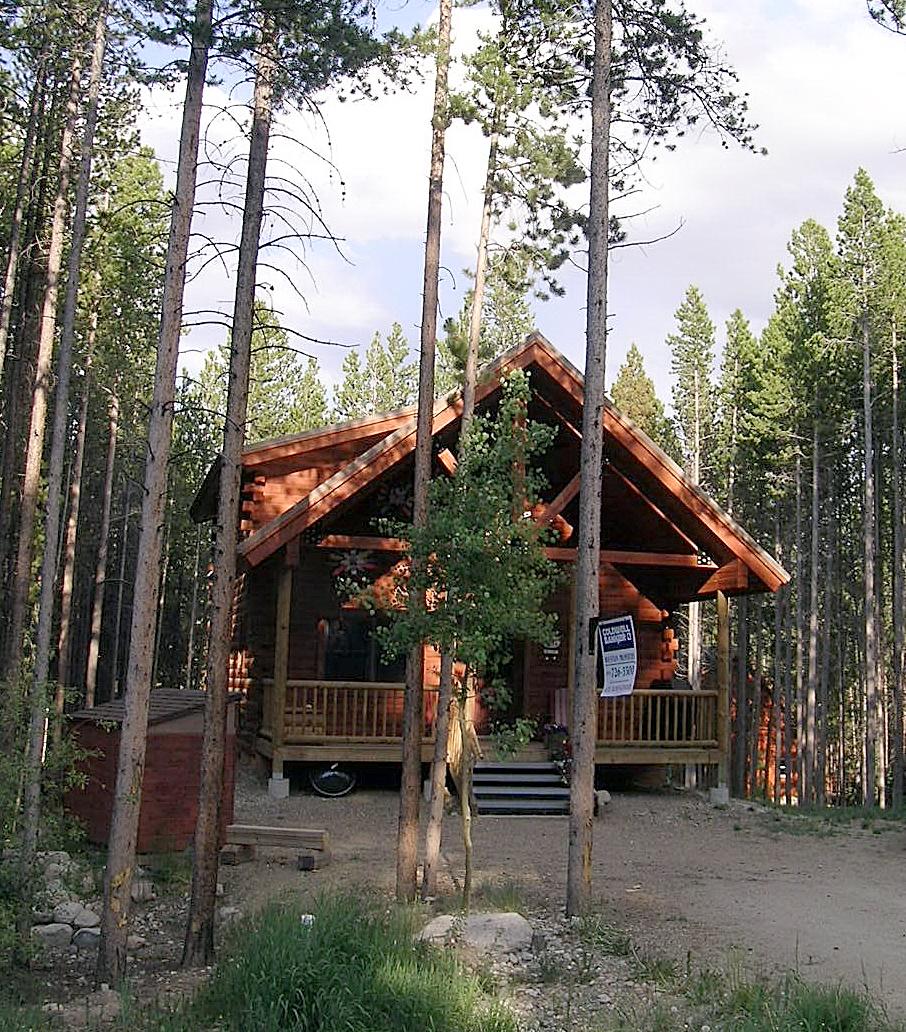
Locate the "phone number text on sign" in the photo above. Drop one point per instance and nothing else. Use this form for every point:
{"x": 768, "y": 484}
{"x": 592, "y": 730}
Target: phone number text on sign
{"x": 617, "y": 654}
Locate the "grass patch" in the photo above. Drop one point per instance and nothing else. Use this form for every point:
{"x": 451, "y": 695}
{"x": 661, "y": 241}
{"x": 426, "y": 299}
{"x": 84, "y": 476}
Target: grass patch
{"x": 506, "y": 895}
{"x": 170, "y": 872}
{"x": 832, "y": 820}
{"x": 599, "y": 934}
{"x": 355, "y": 969}
{"x": 794, "y": 1005}
{"x": 658, "y": 971}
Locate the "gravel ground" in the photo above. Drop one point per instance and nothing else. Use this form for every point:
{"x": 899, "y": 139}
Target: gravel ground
{"x": 684, "y": 878}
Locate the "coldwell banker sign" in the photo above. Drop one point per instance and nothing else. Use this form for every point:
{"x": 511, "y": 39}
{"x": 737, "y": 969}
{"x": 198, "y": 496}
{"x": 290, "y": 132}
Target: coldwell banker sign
{"x": 617, "y": 655}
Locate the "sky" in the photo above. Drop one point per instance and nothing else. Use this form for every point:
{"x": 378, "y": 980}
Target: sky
{"x": 824, "y": 83}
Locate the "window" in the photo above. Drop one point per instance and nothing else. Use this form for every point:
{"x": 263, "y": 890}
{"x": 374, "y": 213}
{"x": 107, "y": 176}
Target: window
{"x": 352, "y": 653}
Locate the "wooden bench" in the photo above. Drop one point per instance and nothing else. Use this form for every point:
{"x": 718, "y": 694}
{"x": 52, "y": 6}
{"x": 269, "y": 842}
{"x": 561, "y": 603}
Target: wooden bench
{"x": 243, "y": 839}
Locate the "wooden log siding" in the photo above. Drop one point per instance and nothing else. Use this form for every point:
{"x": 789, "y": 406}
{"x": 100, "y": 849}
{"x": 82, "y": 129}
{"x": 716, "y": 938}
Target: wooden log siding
{"x": 345, "y": 711}
{"x": 662, "y": 717}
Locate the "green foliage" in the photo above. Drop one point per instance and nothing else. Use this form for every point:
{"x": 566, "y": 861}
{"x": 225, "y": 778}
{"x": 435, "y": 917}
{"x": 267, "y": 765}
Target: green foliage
{"x": 506, "y": 320}
{"x": 634, "y": 395}
{"x": 354, "y": 968}
{"x": 285, "y": 396}
{"x": 387, "y": 381}
{"x": 479, "y": 560}
{"x": 511, "y": 736}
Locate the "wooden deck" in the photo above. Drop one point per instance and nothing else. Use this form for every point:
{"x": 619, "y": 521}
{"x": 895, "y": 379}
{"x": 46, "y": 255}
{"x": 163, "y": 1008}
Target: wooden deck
{"x": 352, "y": 721}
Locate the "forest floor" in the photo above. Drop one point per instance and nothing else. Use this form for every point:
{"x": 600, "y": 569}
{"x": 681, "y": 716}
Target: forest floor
{"x": 743, "y": 885}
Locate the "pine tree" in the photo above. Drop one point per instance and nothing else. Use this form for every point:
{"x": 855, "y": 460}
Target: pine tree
{"x": 634, "y": 395}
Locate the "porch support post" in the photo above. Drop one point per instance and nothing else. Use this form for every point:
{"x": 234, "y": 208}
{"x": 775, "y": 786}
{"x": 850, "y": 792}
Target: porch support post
{"x": 278, "y": 786}
{"x": 721, "y": 793}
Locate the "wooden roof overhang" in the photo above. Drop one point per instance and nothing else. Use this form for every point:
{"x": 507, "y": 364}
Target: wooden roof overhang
{"x": 708, "y": 552}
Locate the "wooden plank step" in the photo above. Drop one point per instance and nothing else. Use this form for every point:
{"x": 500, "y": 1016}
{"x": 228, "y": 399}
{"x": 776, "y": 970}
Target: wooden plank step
{"x": 515, "y": 768}
{"x": 522, "y": 791}
{"x": 290, "y": 838}
{"x": 542, "y": 807}
{"x": 506, "y": 778}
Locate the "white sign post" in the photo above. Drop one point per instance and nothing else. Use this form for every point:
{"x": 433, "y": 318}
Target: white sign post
{"x": 618, "y": 654}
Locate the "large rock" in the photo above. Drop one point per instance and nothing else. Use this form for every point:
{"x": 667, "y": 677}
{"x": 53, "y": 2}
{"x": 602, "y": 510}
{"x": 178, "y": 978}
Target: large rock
{"x": 77, "y": 914}
{"x": 87, "y": 939}
{"x": 143, "y": 890}
{"x": 483, "y": 933}
{"x": 56, "y": 935}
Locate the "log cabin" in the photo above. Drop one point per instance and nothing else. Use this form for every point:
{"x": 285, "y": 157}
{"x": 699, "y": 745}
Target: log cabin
{"x": 317, "y": 689}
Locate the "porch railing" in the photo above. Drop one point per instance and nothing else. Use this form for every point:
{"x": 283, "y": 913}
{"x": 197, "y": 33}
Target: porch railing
{"x": 654, "y": 717}
{"x": 344, "y": 711}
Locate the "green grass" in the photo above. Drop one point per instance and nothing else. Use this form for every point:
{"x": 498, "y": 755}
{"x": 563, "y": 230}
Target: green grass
{"x": 794, "y": 1005}
{"x": 596, "y": 933}
{"x": 832, "y": 820}
{"x": 500, "y": 894}
{"x": 355, "y": 969}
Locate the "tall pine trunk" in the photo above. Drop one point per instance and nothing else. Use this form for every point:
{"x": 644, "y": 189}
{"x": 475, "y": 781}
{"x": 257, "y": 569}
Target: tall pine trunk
{"x": 131, "y": 761}
{"x": 23, "y": 185}
{"x": 34, "y": 449}
{"x": 899, "y": 580}
{"x": 742, "y": 693}
{"x": 434, "y": 830}
{"x": 198, "y": 949}
{"x": 68, "y": 553}
{"x": 410, "y": 787}
{"x": 872, "y": 688}
{"x": 116, "y": 666}
{"x": 588, "y": 552}
{"x": 37, "y": 692}
{"x": 809, "y": 765}
{"x": 100, "y": 569}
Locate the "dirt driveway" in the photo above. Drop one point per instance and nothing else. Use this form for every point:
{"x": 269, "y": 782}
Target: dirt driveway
{"x": 680, "y": 874}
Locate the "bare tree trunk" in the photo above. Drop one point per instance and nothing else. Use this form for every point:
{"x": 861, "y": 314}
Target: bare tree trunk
{"x": 899, "y": 580}
{"x": 37, "y": 694}
{"x": 434, "y": 831}
{"x": 588, "y": 552}
{"x": 198, "y": 949}
{"x": 121, "y": 586}
{"x": 481, "y": 271}
{"x": 465, "y": 791}
{"x": 757, "y": 680}
{"x": 131, "y": 763}
{"x": 410, "y": 784}
{"x": 788, "y": 699}
{"x": 800, "y": 706}
{"x": 820, "y": 743}
{"x": 193, "y": 611}
{"x": 872, "y": 695}
{"x": 780, "y": 599}
{"x": 807, "y": 791}
{"x": 69, "y": 552}
{"x": 100, "y": 570}
{"x": 22, "y": 575}
{"x": 742, "y": 693}
{"x": 26, "y": 177}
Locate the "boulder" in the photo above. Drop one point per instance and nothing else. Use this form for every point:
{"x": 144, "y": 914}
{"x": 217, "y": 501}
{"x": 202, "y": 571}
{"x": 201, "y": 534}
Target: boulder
{"x": 66, "y": 912}
{"x": 55, "y": 935}
{"x": 483, "y": 933}
{"x": 143, "y": 890}
{"x": 87, "y": 938}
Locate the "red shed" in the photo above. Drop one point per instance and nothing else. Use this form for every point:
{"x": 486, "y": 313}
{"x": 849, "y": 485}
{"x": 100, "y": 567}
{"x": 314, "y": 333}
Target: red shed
{"x": 172, "y": 769}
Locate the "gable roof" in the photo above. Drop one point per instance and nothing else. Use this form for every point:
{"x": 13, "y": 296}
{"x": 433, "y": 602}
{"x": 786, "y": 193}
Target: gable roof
{"x": 654, "y": 472}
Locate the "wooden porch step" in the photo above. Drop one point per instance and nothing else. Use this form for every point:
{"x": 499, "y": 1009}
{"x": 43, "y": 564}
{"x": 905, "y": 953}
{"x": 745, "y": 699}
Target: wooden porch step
{"x": 558, "y": 791}
{"x": 528, "y": 788}
{"x": 525, "y": 807}
{"x": 505, "y": 777}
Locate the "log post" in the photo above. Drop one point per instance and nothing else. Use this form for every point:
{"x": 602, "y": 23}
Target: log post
{"x": 720, "y": 794}
{"x": 278, "y": 786}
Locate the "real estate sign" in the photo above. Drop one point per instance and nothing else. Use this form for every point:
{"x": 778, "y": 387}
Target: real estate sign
{"x": 617, "y": 655}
